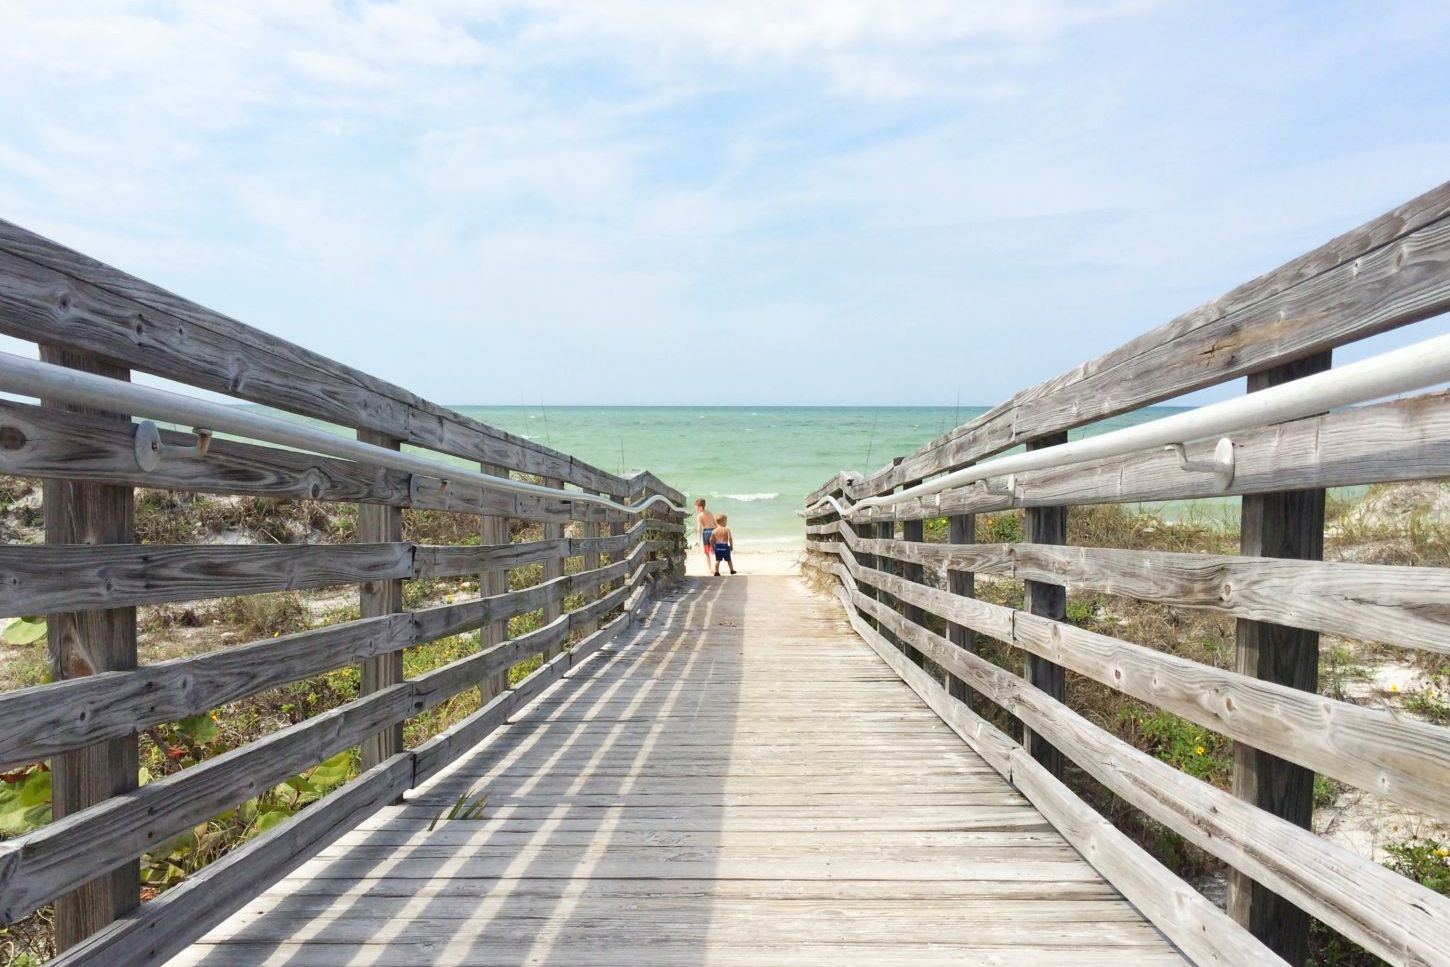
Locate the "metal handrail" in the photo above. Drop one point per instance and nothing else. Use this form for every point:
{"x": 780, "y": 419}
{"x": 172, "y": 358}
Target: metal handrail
{"x": 1414, "y": 367}
{"x": 31, "y": 377}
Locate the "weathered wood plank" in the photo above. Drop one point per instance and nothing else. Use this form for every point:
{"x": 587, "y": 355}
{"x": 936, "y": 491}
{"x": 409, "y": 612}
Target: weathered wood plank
{"x": 44, "y": 720}
{"x": 1389, "y": 272}
{"x": 669, "y": 790}
{"x": 641, "y": 483}
{"x": 379, "y": 523}
{"x": 454, "y": 561}
{"x": 38, "y": 443}
{"x": 1402, "y": 759}
{"x": 657, "y": 951}
{"x": 41, "y": 865}
{"x": 83, "y": 644}
{"x": 167, "y": 924}
{"x": 553, "y": 566}
{"x": 1047, "y": 599}
{"x": 1198, "y": 927}
{"x": 440, "y": 751}
{"x": 49, "y": 293}
{"x": 1288, "y": 524}
{"x": 74, "y": 577}
{"x": 1388, "y": 914}
{"x": 1408, "y": 606}
{"x": 962, "y": 530}
{"x": 591, "y": 559}
{"x": 493, "y": 579}
{"x": 1407, "y": 439}
{"x": 912, "y": 530}
{"x": 46, "y": 578}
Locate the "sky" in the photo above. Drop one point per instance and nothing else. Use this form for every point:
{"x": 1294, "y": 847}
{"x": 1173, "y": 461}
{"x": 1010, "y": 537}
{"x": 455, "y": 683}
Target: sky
{"x": 618, "y": 201}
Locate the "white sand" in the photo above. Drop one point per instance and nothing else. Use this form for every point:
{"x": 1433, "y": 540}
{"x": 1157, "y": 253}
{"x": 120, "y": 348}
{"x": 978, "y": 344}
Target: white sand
{"x": 774, "y": 559}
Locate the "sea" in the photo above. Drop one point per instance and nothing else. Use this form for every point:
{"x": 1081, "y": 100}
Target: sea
{"x": 754, "y": 463}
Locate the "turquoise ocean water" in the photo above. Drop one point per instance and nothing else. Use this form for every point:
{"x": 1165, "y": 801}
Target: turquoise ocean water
{"x": 754, "y": 463}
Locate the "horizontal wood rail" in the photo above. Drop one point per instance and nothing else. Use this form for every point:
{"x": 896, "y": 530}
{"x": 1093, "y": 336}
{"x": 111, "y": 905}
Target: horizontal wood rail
{"x": 1383, "y": 911}
{"x": 911, "y": 597}
{"x": 1387, "y": 273}
{"x": 1383, "y": 443}
{"x": 80, "y": 576}
{"x": 1374, "y": 602}
{"x": 48, "y": 719}
{"x": 45, "y": 864}
{"x": 59, "y": 383}
{"x": 1404, "y": 760}
{"x": 51, "y": 294}
{"x": 1424, "y": 364}
{"x": 608, "y": 542}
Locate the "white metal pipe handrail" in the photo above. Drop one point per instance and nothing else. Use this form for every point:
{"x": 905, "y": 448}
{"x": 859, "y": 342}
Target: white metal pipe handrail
{"x": 31, "y": 377}
{"x": 1414, "y": 367}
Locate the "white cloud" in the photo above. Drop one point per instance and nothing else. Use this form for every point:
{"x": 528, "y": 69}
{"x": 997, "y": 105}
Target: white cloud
{"x": 959, "y": 171}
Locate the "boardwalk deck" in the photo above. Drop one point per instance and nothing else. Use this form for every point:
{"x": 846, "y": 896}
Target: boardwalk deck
{"x": 740, "y": 780}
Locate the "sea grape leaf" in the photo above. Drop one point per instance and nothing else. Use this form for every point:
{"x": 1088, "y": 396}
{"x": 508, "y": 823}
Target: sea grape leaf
{"x": 198, "y": 728}
{"x": 267, "y": 820}
{"x": 333, "y": 772}
{"x": 23, "y": 631}
{"x": 34, "y": 789}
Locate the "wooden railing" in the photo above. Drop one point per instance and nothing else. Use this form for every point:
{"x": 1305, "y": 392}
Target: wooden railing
{"x": 90, "y": 576}
{"x": 1389, "y": 273}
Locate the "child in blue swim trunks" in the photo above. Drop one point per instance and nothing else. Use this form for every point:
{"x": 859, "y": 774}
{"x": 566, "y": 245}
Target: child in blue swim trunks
{"x": 706, "y": 523}
{"x": 724, "y": 543}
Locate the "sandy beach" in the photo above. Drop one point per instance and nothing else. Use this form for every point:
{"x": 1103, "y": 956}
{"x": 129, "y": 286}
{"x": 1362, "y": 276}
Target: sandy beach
{"x": 775, "y": 559}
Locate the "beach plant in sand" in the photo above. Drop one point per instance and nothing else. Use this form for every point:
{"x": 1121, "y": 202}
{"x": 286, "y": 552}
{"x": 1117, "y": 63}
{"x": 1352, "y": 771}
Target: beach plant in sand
{"x": 468, "y": 808}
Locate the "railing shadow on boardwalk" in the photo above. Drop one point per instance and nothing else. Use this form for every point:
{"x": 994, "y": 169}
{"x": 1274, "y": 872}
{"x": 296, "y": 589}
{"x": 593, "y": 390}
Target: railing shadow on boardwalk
{"x": 558, "y": 847}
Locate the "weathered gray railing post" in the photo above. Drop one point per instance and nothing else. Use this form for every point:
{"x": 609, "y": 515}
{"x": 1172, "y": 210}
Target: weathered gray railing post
{"x": 913, "y": 530}
{"x": 1284, "y": 524}
{"x": 682, "y": 547}
{"x": 1045, "y": 525}
{"x": 554, "y": 568}
{"x": 493, "y": 531}
{"x": 380, "y": 523}
{"x": 962, "y": 529}
{"x": 591, "y": 530}
{"x": 865, "y": 559}
{"x": 87, "y": 643}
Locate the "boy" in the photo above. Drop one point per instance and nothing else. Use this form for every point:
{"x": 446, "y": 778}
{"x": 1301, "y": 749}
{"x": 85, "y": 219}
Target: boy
{"x": 705, "y": 525}
{"x": 724, "y": 543}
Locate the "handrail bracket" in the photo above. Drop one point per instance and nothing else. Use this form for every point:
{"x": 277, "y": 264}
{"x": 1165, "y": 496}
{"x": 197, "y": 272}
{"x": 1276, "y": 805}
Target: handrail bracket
{"x": 150, "y": 448}
{"x": 1222, "y": 466}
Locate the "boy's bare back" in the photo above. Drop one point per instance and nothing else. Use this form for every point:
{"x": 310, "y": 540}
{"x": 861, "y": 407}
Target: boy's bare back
{"x": 722, "y": 535}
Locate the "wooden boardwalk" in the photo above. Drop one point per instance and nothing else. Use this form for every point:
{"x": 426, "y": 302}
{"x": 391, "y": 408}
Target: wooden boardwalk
{"x": 739, "y": 780}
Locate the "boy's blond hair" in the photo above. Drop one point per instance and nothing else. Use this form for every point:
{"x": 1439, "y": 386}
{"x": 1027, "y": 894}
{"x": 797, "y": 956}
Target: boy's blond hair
{"x": 699, "y": 501}
{"x": 722, "y": 519}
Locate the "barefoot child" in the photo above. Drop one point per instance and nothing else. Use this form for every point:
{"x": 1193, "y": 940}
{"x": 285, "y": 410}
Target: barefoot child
{"x": 724, "y": 542}
{"x": 705, "y": 525}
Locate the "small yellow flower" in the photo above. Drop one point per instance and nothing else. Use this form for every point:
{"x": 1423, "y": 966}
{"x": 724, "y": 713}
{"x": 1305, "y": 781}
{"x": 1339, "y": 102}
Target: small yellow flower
{"x": 449, "y": 599}
{"x": 1394, "y": 688}
{"x": 1442, "y": 851}
{"x": 1199, "y": 750}
{"x": 276, "y": 634}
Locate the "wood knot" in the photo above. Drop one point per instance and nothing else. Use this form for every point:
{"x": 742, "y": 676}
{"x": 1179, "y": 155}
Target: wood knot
{"x": 11, "y": 438}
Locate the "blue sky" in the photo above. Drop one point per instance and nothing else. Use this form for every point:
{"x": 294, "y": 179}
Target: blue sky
{"x": 824, "y": 201}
